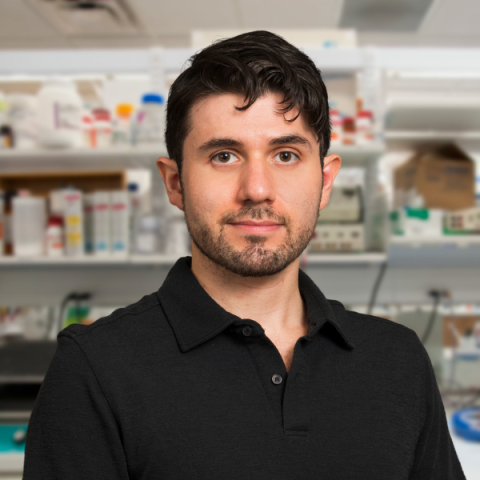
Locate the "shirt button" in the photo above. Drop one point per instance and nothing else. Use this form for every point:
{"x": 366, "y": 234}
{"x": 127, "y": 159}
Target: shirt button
{"x": 277, "y": 379}
{"x": 247, "y": 331}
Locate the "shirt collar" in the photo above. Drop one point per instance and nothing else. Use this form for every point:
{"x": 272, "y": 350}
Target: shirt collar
{"x": 195, "y": 317}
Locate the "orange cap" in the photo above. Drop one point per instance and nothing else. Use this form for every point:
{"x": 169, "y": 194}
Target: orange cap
{"x": 124, "y": 109}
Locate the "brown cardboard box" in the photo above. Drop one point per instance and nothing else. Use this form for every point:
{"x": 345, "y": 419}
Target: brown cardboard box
{"x": 441, "y": 177}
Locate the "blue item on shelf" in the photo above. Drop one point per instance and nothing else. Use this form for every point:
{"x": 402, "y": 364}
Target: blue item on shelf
{"x": 466, "y": 423}
{"x": 12, "y": 438}
{"x": 153, "y": 98}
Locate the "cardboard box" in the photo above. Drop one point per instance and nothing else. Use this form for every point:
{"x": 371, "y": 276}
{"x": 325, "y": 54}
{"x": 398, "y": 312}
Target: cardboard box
{"x": 441, "y": 177}
{"x": 463, "y": 221}
{"x": 344, "y": 205}
{"x": 414, "y": 222}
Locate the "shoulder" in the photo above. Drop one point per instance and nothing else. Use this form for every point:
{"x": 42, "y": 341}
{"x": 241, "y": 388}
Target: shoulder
{"x": 138, "y": 323}
{"x": 376, "y": 335}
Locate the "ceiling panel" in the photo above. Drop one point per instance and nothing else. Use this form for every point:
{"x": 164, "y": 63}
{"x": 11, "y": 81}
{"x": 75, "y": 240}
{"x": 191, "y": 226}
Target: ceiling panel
{"x": 453, "y": 17}
{"x": 257, "y": 14}
{"x": 180, "y": 16}
{"x": 18, "y": 20}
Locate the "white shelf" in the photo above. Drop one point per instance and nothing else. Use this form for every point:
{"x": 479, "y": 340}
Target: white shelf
{"x": 349, "y": 154}
{"x": 168, "y": 260}
{"x": 343, "y": 258}
{"x": 431, "y": 135}
{"x": 448, "y": 240}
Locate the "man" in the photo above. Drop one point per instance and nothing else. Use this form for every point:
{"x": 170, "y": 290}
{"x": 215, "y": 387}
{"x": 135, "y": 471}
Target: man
{"x": 238, "y": 367}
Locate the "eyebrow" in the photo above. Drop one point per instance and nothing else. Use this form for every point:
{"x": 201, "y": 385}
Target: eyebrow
{"x": 218, "y": 143}
{"x": 292, "y": 140}
{"x": 214, "y": 143}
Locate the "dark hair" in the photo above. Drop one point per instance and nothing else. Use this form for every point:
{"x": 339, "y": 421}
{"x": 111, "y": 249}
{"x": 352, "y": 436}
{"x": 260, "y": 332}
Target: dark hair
{"x": 251, "y": 64}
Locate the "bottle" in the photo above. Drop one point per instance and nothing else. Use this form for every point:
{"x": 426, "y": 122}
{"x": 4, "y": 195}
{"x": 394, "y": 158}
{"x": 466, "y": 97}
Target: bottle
{"x": 120, "y": 222}
{"x": 28, "y": 225}
{"x": 147, "y": 235}
{"x": 101, "y": 223}
{"x": 73, "y": 222}
{"x": 59, "y": 114}
{"x": 22, "y": 118}
{"x": 134, "y": 210}
{"x": 102, "y": 126}
{"x": 122, "y": 131}
{"x": 150, "y": 121}
{"x": 364, "y": 128}
{"x": 337, "y": 127}
{"x": 348, "y": 131}
{"x": 54, "y": 242}
{"x": 2, "y": 208}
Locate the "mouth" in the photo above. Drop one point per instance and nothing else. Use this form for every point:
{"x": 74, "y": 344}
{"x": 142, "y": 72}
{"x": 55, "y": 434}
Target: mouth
{"x": 253, "y": 227}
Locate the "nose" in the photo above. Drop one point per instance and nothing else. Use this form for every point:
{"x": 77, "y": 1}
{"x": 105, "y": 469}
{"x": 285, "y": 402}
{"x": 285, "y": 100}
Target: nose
{"x": 257, "y": 183}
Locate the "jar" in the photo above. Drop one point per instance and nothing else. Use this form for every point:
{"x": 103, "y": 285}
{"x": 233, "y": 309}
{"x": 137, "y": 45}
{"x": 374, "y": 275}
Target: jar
{"x": 150, "y": 121}
{"x": 54, "y": 243}
{"x": 122, "y": 132}
{"x": 22, "y": 118}
{"x": 337, "y": 127}
{"x": 348, "y": 131}
{"x": 102, "y": 126}
{"x": 364, "y": 127}
{"x": 59, "y": 114}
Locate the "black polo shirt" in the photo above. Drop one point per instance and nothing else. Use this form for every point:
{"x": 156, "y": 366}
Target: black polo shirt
{"x": 175, "y": 387}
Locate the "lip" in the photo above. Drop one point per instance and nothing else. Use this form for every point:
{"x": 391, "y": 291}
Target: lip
{"x": 261, "y": 227}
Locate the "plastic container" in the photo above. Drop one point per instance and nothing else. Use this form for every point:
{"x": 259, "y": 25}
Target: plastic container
{"x": 102, "y": 126}
{"x": 178, "y": 238}
{"x": 337, "y": 127}
{"x": 134, "y": 211}
{"x": 122, "y": 130}
{"x": 2, "y": 230}
{"x": 28, "y": 225}
{"x": 88, "y": 132}
{"x": 147, "y": 235}
{"x": 348, "y": 131}
{"x": 150, "y": 120}
{"x": 73, "y": 222}
{"x": 120, "y": 223}
{"x": 101, "y": 223}
{"x": 54, "y": 237}
{"x": 22, "y": 118}
{"x": 364, "y": 128}
{"x": 59, "y": 114}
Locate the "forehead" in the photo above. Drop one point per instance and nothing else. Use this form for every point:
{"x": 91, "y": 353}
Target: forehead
{"x": 217, "y": 116}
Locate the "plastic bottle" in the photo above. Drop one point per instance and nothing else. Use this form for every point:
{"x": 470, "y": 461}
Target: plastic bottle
{"x": 2, "y": 207}
{"x": 54, "y": 239}
{"x": 147, "y": 235}
{"x": 73, "y": 222}
{"x": 59, "y": 114}
{"x": 150, "y": 121}
{"x": 364, "y": 127}
{"x": 102, "y": 126}
{"x": 122, "y": 131}
{"x": 22, "y": 118}
{"x": 337, "y": 127}
{"x": 348, "y": 131}
{"x": 28, "y": 225}
{"x": 120, "y": 222}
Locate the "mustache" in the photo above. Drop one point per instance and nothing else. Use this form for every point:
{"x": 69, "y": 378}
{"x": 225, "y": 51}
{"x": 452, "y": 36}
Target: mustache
{"x": 251, "y": 212}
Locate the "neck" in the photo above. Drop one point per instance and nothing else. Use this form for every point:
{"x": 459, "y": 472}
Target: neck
{"x": 273, "y": 301}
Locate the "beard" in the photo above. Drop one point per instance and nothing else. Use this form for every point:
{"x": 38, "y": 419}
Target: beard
{"x": 255, "y": 259}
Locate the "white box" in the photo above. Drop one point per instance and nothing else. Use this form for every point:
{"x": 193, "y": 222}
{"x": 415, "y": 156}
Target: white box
{"x": 331, "y": 237}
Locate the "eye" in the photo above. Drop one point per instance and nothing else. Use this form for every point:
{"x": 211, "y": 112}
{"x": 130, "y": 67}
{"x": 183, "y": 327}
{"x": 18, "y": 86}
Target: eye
{"x": 224, "y": 158}
{"x": 287, "y": 157}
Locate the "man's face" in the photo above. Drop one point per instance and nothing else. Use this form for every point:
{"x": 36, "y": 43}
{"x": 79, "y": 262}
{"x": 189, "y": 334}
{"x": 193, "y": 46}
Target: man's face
{"x": 252, "y": 184}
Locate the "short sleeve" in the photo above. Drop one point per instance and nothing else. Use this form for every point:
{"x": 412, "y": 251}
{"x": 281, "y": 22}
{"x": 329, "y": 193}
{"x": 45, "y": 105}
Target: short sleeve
{"x": 72, "y": 433}
{"x": 435, "y": 455}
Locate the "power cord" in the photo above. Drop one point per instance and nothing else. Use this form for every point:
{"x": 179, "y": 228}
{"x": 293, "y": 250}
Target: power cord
{"x": 376, "y": 287}
{"x": 436, "y": 295}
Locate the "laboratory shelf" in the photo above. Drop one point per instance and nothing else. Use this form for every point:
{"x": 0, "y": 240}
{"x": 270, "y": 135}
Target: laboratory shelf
{"x": 456, "y": 251}
{"x": 169, "y": 260}
{"x": 357, "y": 154}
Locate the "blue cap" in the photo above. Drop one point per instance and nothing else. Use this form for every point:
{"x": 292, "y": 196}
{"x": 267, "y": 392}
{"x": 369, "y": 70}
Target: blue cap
{"x": 153, "y": 98}
{"x": 132, "y": 187}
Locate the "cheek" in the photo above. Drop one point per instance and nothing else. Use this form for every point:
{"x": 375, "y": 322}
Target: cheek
{"x": 300, "y": 199}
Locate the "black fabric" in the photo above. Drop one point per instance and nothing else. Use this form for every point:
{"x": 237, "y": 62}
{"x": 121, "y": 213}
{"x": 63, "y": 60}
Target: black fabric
{"x": 175, "y": 387}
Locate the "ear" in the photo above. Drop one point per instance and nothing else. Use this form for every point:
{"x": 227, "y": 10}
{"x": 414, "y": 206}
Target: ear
{"x": 331, "y": 166}
{"x": 168, "y": 169}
